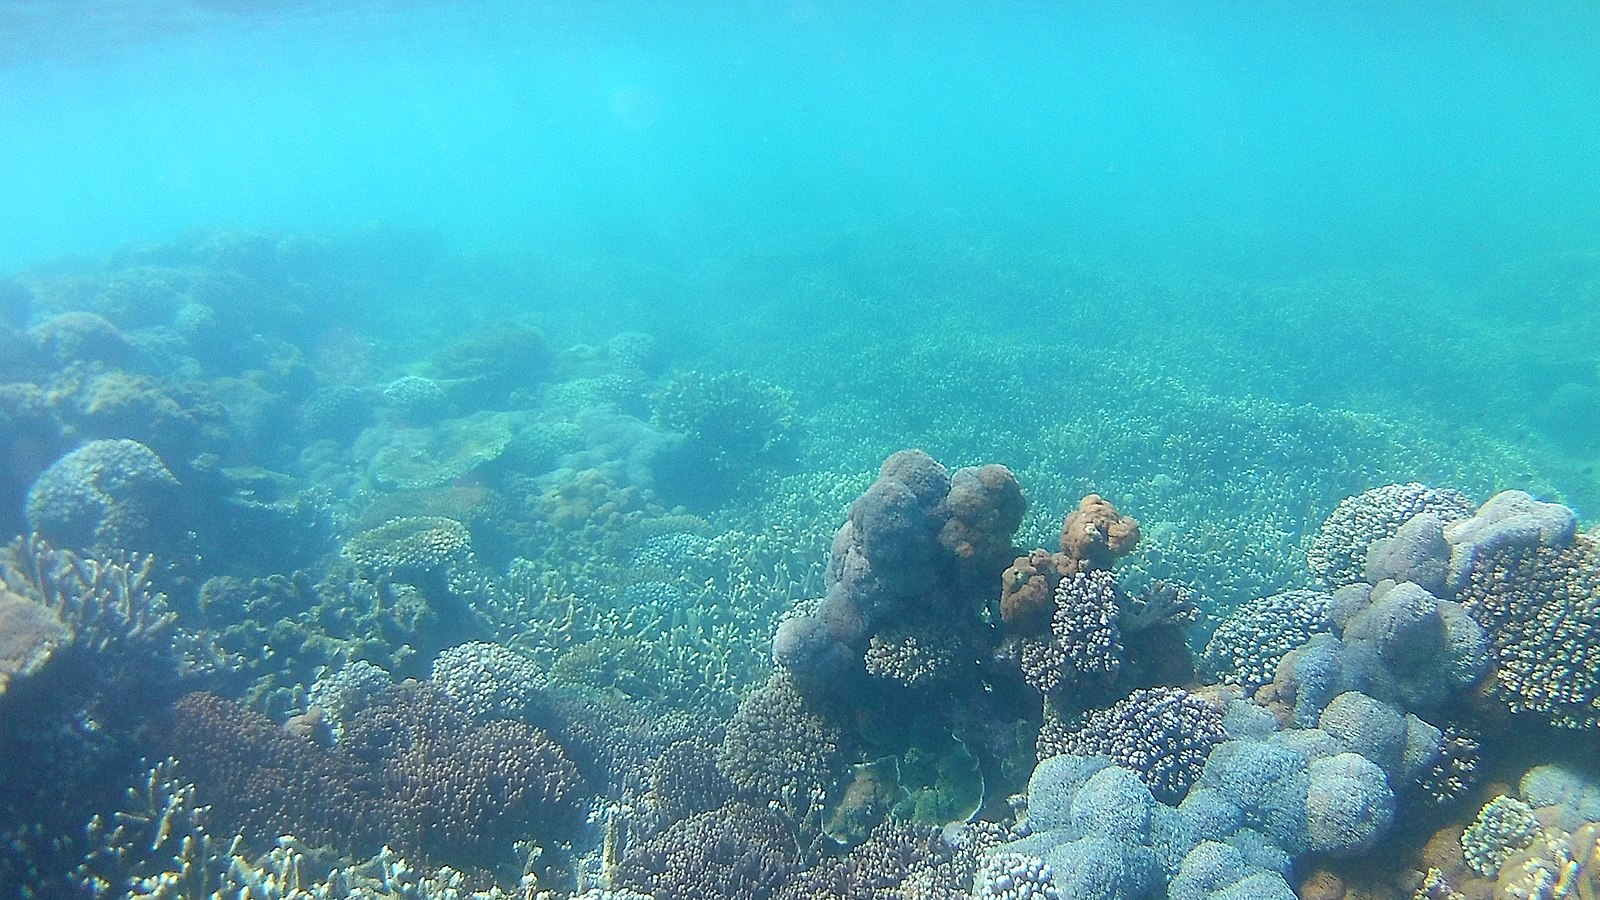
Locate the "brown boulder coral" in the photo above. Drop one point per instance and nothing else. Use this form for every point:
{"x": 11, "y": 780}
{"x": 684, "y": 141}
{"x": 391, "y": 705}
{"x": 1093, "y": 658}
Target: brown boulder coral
{"x": 1093, "y": 537}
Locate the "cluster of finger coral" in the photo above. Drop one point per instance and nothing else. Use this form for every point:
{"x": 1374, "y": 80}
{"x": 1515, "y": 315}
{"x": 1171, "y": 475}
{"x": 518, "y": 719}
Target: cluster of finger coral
{"x": 489, "y": 681}
{"x": 897, "y": 860}
{"x": 735, "y": 852}
{"x": 1445, "y": 592}
{"x": 1541, "y": 839}
{"x": 1354, "y": 719}
{"x": 1164, "y": 734}
{"x": 1534, "y": 584}
{"x": 780, "y": 744}
{"x": 1083, "y": 644}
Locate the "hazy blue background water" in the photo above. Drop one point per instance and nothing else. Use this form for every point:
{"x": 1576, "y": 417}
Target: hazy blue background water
{"x": 1375, "y": 209}
{"x": 1274, "y": 133}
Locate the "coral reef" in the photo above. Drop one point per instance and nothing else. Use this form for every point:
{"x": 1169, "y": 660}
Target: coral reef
{"x": 895, "y": 861}
{"x": 486, "y": 369}
{"x": 430, "y": 456}
{"x": 892, "y": 558}
{"x": 158, "y": 844}
{"x": 780, "y": 746}
{"x": 1093, "y": 537}
{"x": 1084, "y": 647}
{"x": 1534, "y": 586}
{"x": 488, "y": 680}
{"x": 732, "y": 419}
{"x": 410, "y": 770}
{"x": 602, "y": 719}
{"x": 466, "y": 789}
{"x": 87, "y": 654}
{"x": 260, "y": 780}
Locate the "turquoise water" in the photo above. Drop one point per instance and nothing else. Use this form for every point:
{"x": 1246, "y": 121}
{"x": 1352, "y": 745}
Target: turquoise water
{"x": 538, "y": 353}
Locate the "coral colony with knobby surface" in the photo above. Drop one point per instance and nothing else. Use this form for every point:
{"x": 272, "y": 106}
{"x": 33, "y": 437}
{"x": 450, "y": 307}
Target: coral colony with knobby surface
{"x": 792, "y": 451}
{"x": 500, "y": 626}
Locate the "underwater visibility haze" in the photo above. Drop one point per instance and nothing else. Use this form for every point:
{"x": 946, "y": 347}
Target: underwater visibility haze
{"x": 785, "y": 450}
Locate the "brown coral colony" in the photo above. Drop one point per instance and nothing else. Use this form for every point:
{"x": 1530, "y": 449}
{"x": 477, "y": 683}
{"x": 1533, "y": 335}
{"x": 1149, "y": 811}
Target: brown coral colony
{"x": 1093, "y": 537}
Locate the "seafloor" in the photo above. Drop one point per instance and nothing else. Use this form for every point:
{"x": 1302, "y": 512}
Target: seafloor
{"x": 892, "y": 567}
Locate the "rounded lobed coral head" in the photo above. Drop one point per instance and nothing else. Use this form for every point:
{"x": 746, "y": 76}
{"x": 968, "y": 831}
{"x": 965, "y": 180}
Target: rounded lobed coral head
{"x": 891, "y": 527}
{"x": 1027, "y": 593}
{"x": 983, "y": 510}
{"x": 921, "y": 473}
{"x": 1096, "y": 534}
{"x": 803, "y": 645}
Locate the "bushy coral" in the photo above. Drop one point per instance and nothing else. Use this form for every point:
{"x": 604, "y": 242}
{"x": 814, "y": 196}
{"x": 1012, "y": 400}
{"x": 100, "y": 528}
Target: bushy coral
{"x": 733, "y": 418}
{"x": 416, "y": 399}
{"x": 1015, "y": 876}
{"x": 735, "y": 852}
{"x": 1561, "y": 867}
{"x": 411, "y": 770}
{"x": 1504, "y": 826}
{"x": 343, "y": 691}
{"x": 405, "y": 546}
{"x": 104, "y": 605}
{"x": 1457, "y": 771}
{"x": 261, "y": 781}
{"x": 1249, "y": 643}
{"x": 897, "y": 860}
{"x": 913, "y": 655}
{"x": 489, "y": 681}
{"x": 780, "y": 747}
{"x": 467, "y": 790}
{"x": 1539, "y": 605}
{"x": 86, "y": 656}
{"x": 1084, "y": 644}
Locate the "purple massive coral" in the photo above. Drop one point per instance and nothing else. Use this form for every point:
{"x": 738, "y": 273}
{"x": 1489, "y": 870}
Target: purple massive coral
{"x": 916, "y": 544}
